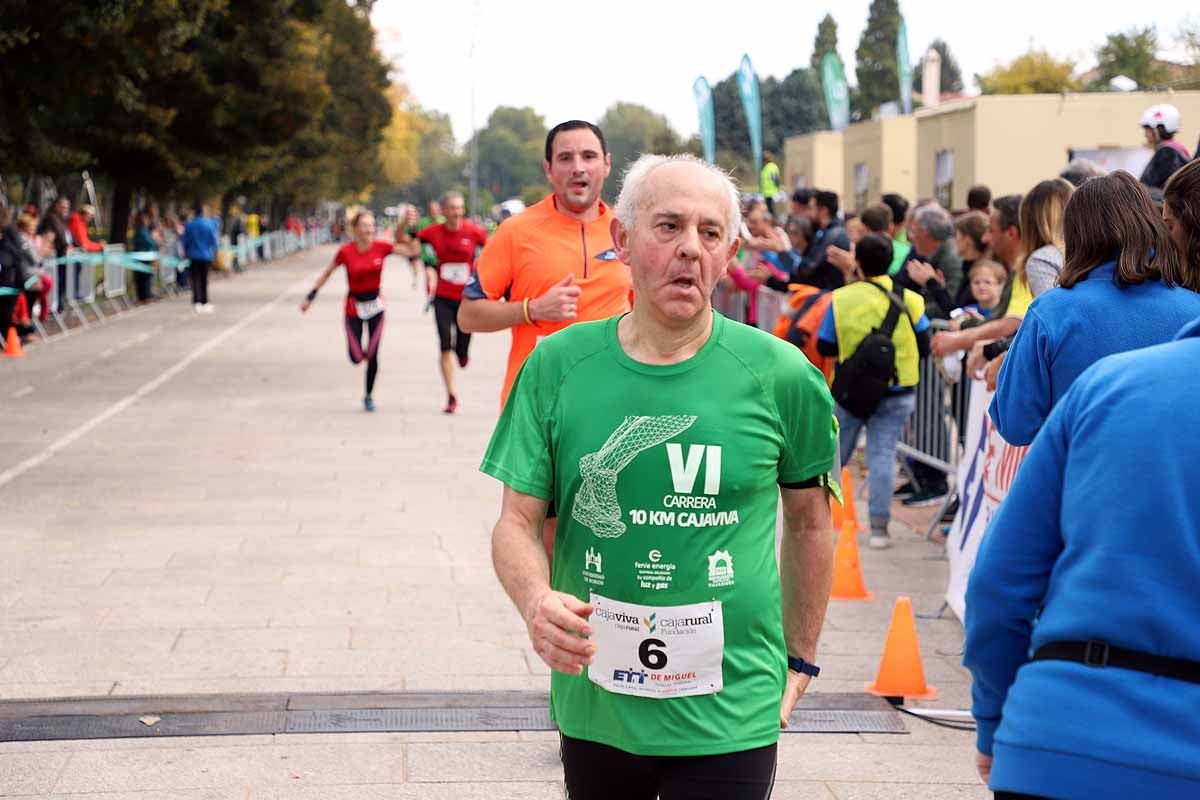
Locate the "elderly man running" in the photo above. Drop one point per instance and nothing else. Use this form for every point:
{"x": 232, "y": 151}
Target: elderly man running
{"x": 662, "y": 436}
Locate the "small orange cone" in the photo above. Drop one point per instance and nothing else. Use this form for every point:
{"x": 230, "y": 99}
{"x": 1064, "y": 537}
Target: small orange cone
{"x": 847, "y": 571}
{"x": 12, "y": 346}
{"x": 838, "y": 513}
{"x": 848, "y": 498}
{"x": 900, "y": 670}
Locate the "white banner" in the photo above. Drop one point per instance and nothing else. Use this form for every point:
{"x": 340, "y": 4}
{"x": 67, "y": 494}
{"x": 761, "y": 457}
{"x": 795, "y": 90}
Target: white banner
{"x": 984, "y": 477}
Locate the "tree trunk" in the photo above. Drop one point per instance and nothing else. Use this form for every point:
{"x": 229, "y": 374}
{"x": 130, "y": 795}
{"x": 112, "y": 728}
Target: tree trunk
{"x": 119, "y": 224}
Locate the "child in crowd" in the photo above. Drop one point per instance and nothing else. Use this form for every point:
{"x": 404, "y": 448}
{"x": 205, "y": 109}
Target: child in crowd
{"x": 987, "y": 279}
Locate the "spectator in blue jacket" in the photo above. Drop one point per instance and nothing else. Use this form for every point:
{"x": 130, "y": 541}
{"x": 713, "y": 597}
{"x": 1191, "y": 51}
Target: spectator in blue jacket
{"x": 200, "y": 246}
{"x": 1099, "y": 543}
{"x": 1123, "y": 286}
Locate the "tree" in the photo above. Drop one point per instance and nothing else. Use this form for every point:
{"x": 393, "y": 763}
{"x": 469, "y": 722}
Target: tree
{"x": 1035, "y": 72}
{"x": 401, "y": 138}
{"x": 877, "y": 71}
{"x": 1133, "y": 54}
{"x": 510, "y": 150}
{"x": 792, "y": 106}
{"x": 826, "y": 42}
{"x": 951, "y": 74}
{"x": 631, "y": 130}
{"x": 441, "y": 165}
{"x": 81, "y": 94}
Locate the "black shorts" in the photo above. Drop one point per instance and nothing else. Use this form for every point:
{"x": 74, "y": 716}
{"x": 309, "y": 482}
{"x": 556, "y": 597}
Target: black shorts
{"x": 596, "y": 771}
{"x": 445, "y": 314}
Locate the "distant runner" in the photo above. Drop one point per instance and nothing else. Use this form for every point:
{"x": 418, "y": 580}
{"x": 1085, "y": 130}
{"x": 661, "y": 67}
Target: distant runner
{"x": 363, "y": 259}
{"x": 453, "y": 244}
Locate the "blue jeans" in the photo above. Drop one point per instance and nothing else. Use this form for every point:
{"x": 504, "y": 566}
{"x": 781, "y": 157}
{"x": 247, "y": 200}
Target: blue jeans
{"x": 883, "y": 431}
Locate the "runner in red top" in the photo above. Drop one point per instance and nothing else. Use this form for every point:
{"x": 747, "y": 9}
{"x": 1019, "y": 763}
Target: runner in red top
{"x": 455, "y": 243}
{"x": 363, "y": 259}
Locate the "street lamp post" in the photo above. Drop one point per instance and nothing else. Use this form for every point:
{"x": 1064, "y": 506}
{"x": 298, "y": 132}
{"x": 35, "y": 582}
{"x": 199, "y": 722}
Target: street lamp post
{"x": 473, "y": 207}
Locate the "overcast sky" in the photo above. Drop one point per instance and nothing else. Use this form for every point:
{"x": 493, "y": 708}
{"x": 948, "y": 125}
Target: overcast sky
{"x": 575, "y": 60}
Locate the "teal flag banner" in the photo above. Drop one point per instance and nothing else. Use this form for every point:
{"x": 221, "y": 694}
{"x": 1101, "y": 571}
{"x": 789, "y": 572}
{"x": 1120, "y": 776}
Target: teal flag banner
{"x": 837, "y": 93}
{"x": 708, "y": 123}
{"x": 747, "y": 82}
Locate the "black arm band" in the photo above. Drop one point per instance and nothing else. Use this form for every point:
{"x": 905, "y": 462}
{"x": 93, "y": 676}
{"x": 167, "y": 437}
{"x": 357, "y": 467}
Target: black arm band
{"x": 811, "y": 483}
{"x": 312, "y": 295}
{"x": 803, "y": 667}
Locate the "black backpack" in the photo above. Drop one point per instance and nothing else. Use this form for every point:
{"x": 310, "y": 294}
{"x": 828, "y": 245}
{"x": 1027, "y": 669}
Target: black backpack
{"x": 862, "y": 380}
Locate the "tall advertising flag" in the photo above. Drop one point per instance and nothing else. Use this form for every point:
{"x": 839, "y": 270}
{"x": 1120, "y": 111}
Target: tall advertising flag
{"x": 708, "y": 123}
{"x": 747, "y": 82}
{"x": 905, "y": 68}
{"x": 837, "y": 93}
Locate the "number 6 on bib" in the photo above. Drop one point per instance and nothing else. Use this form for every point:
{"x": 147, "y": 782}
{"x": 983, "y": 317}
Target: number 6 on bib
{"x": 657, "y": 651}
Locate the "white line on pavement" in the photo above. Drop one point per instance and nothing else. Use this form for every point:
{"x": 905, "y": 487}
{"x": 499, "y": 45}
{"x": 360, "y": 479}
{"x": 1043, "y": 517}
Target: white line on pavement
{"x": 24, "y": 390}
{"x": 10, "y": 475}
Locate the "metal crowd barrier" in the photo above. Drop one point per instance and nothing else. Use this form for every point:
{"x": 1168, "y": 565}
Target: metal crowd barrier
{"x": 78, "y": 290}
{"x": 114, "y": 275}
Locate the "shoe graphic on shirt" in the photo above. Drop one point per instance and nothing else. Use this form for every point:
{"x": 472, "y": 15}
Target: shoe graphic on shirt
{"x": 596, "y": 504}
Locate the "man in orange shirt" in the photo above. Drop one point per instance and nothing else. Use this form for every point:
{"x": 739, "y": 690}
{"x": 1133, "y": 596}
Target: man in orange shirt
{"x": 554, "y": 263}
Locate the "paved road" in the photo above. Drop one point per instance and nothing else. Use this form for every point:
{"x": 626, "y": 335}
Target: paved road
{"x": 195, "y": 504}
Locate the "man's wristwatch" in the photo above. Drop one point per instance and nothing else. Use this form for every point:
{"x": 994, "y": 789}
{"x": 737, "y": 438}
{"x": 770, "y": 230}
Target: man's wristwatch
{"x": 803, "y": 667}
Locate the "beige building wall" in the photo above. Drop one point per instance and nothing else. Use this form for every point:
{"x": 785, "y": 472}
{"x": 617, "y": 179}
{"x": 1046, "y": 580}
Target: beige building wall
{"x": 879, "y": 158}
{"x": 947, "y": 133}
{"x": 813, "y": 160}
{"x": 1010, "y": 142}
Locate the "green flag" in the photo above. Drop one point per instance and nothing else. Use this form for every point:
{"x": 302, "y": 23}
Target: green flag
{"x": 905, "y": 68}
{"x": 837, "y": 93}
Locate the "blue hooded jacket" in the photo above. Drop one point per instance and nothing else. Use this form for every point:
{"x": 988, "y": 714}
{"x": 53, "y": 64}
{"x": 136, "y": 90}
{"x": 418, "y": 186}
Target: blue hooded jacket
{"x": 1099, "y": 538}
{"x": 1065, "y": 331}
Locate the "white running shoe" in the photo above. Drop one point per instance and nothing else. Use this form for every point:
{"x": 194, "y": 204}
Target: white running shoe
{"x": 198, "y": 308}
{"x": 207, "y": 308}
{"x": 879, "y": 540}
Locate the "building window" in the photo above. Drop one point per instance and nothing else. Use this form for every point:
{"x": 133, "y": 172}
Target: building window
{"x": 943, "y": 178}
{"x": 862, "y": 179}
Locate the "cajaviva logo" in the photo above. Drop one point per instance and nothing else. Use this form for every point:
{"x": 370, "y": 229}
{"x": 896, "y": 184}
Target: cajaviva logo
{"x": 650, "y": 622}
{"x": 608, "y": 255}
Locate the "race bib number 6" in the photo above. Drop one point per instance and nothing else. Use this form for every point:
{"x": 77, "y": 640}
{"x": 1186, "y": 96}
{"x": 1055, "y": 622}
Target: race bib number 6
{"x": 657, "y": 651}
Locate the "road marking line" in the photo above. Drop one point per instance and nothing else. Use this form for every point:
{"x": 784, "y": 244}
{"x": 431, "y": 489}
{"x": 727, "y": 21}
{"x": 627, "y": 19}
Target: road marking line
{"x": 24, "y": 390}
{"x": 10, "y": 475}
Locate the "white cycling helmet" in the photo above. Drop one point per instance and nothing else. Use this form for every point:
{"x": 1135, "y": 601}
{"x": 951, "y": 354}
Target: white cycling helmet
{"x": 1163, "y": 114}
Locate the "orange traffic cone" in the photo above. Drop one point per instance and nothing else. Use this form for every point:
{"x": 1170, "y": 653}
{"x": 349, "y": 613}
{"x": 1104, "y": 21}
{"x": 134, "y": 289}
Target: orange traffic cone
{"x": 835, "y": 508}
{"x": 12, "y": 346}
{"x": 847, "y": 571}
{"x": 900, "y": 670}
{"x": 848, "y": 498}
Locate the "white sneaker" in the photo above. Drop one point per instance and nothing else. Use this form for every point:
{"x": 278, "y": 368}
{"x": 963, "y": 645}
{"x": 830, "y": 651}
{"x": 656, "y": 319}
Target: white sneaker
{"x": 198, "y": 308}
{"x": 206, "y": 308}
{"x": 879, "y": 540}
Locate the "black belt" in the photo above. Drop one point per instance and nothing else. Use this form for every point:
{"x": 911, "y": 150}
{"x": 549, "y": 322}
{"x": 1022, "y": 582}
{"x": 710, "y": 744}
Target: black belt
{"x": 1096, "y": 653}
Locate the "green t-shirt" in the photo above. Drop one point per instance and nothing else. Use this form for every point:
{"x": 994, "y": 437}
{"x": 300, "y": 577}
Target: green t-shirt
{"x": 665, "y": 478}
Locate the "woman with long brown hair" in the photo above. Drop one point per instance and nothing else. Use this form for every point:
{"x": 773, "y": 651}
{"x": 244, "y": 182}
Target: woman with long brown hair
{"x": 1181, "y": 213}
{"x": 1042, "y": 234}
{"x": 1122, "y": 287}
